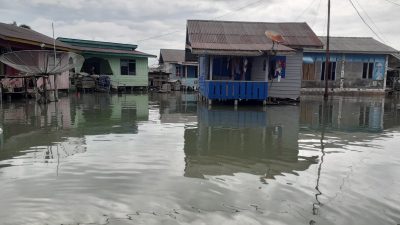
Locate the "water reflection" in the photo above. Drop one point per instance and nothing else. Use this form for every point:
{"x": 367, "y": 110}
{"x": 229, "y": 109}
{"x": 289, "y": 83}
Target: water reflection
{"x": 57, "y": 130}
{"x": 226, "y": 142}
{"x": 165, "y": 159}
{"x": 345, "y": 114}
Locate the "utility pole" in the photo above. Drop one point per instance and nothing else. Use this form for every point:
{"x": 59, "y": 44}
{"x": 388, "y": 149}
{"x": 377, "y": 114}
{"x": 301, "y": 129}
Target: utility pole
{"x": 327, "y": 51}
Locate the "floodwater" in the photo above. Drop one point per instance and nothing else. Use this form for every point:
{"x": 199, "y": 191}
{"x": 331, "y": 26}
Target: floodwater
{"x": 164, "y": 159}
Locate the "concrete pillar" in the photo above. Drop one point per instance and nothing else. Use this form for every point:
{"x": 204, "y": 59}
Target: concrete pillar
{"x": 342, "y": 72}
{"x": 340, "y": 111}
{"x": 386, "y": 69}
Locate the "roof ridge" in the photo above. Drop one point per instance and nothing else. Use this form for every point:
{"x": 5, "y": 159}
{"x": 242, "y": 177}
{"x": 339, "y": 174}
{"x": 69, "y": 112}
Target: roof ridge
{"x": 346, "y": 37}
{"x": 172, "y": 49}
{"x": 105, "y": 42}
{"x": 254, "y": 22}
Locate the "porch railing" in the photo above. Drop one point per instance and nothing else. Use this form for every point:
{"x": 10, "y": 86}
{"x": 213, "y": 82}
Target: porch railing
{"x": 226, "y": 89}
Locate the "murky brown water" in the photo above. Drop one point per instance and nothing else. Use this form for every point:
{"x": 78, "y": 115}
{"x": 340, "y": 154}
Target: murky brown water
{"x": 164, "y": 159}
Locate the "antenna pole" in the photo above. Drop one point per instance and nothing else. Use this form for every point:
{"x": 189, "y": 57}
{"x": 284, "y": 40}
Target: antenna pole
{"x": 327, "y": 52}
{"x": 55, "y": 61}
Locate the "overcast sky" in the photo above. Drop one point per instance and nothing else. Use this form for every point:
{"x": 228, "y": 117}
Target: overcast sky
{"x": 136, "y": 21}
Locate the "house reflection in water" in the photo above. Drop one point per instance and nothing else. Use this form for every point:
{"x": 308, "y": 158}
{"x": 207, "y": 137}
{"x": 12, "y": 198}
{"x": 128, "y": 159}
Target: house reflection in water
{"x": 104, "y": 113}
{"x": 177, "y": 107}
{"x": 345, "y": 114}
{"x": 263, "y": 143}
{"x": 59, "y": 129}
{"x": 29, "y": 125}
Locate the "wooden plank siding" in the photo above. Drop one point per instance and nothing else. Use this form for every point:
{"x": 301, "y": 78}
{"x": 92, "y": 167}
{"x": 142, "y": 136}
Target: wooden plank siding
{"x": 138, "y": 80}
{"x": 290, "y": 86}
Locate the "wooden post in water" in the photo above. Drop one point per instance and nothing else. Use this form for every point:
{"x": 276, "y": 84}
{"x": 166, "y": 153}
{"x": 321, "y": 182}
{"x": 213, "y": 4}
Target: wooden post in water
{"x": 327, "y": 52}
{"x": 55, "y": 61}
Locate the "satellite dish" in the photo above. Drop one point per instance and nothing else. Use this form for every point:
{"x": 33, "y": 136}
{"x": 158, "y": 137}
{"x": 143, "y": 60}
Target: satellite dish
{"x": 42, "y": 62}
{"x": 274, "y": 36}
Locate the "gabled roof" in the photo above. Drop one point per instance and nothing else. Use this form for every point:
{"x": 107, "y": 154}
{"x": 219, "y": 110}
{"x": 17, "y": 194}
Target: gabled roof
{"x": 15, "y": 33}
{"x": 177, "y": 56}
{"x": 106, "y": 48}
{"x": 247, "y": 37}
{"x": 172, "y": 55}
{"x": 365, "y": 45}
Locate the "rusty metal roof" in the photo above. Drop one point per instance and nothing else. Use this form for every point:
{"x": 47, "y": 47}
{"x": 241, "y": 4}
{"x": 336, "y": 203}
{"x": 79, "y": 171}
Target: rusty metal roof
{"x": 248, "y": 36}
{"x": 365, "y": 45}
{"x": 15, "y": 33}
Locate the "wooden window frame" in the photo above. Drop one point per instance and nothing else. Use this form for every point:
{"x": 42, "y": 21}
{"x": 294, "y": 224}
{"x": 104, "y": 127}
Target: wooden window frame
{"x": 368, "y": 70}
{"x": 129, "y": 62}
{"x": 322, "y": 74}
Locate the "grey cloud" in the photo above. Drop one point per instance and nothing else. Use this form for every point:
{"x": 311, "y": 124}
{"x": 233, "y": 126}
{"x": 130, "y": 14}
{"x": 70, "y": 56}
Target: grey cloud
{"x": 130, "y": 21}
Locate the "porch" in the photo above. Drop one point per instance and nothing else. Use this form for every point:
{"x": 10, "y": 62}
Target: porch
{"x": 234, "y": 90}
{"x": 235, "y": 77}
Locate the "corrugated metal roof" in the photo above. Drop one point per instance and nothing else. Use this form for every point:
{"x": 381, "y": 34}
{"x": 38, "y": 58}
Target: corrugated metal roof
{"x": 366, "y": 45}
{"x": 97, "y": 44}
{"x": 9, "y": 31}
{"x": 247, "y": 36}
{"x": 172, "y": 55}
{"x": 114, "y": 51}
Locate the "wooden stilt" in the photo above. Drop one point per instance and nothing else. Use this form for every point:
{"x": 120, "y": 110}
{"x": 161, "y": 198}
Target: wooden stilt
{"x": 45, "y": 89}
{"x": 26, "y": 88}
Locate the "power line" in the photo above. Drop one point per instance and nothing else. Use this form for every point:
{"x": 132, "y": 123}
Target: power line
{"x": 176, "y": 31}
{"x": 161, "y": 35}
{"x": 314, "y": 19}
{"x": 365, "y": 22}
{"x": 240, "y": 8}
{"x": 305, "y": 10}
{"x": 395, "y": 3}
{"x": 377, "y": 28}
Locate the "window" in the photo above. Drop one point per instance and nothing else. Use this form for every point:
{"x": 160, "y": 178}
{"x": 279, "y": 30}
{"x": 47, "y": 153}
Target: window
{"x": 368, "y": 69}
{"x": 331, "y": 71}
{"x": 264, "y": 64}
{"x": 178, "y": 71}
{"x": 128, "y": 67}
{"x": 191, "y": 71}
{"x": 51, "y": 61}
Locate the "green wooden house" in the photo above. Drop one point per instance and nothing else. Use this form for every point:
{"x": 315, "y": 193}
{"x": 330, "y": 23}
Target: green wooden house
{"x": 126, "y": 66}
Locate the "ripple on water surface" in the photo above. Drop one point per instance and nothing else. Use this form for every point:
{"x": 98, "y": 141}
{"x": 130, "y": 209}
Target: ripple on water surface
{"x": 164, "y": 159}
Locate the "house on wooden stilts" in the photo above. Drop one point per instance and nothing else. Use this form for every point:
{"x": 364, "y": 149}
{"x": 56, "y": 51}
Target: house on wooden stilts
{"x": 237, "y": 61}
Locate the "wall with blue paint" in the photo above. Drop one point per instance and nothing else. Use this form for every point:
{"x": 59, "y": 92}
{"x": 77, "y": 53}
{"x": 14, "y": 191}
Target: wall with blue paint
{"x": 353, "y": 70}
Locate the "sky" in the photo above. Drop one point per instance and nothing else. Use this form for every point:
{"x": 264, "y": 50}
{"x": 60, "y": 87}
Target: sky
{"x": 155, "y": 24}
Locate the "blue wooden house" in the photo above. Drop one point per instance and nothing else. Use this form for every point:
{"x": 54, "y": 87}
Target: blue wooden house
{"x": 357, "y": 64}
{"x": 237, "y": 61}
{"x": 180, "y": 68}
